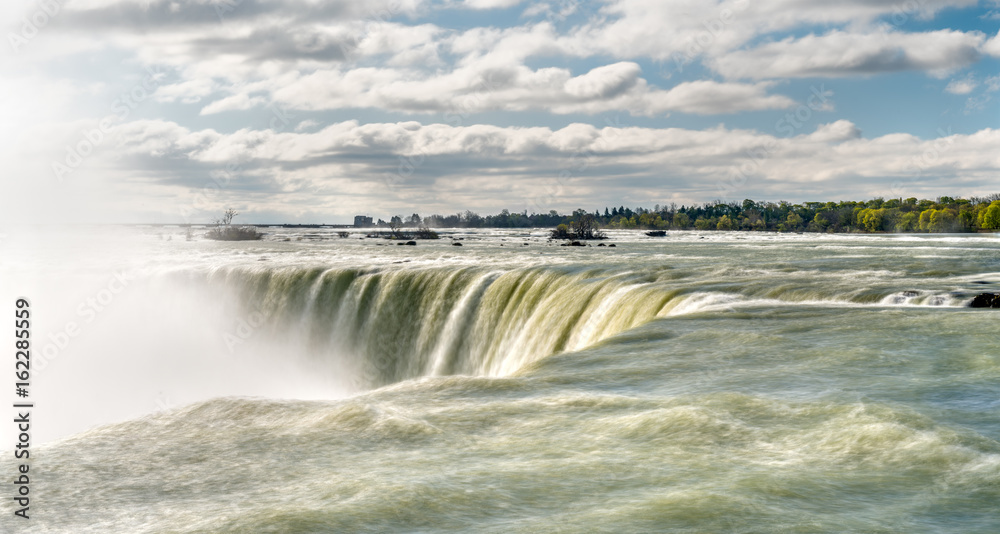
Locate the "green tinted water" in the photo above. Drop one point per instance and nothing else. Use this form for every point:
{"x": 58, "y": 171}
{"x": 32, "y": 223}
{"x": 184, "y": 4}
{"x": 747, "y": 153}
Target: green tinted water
{"x": 730, "y": 384}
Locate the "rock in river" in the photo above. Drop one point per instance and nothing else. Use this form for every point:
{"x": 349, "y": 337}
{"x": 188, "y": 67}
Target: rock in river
{"x": 986, "y": 300}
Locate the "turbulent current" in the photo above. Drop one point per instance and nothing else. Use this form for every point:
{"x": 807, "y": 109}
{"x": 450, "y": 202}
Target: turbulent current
{"x": 702, "y": 382}
{"x": 409, "y": 323}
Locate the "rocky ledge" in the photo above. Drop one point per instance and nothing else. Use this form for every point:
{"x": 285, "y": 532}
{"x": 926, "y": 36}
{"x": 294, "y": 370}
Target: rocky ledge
{"x": 986, "y": 300}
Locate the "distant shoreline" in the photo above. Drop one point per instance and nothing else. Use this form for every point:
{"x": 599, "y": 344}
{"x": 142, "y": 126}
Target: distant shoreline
{"x": 876, "y": 216}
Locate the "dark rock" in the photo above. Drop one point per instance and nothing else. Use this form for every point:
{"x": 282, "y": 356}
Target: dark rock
{"x": 910, "y": 293}
{"x": 411, "y": 243}
{"x": 576, "y": 244}
{"x": 981, "y": 282}
{"x": 601, "y": 245}
{"x": 986, "y": 300}
{"x": 456, "y": 244}
{"x": 657, "y": 233}
{"x": 611, "y": 245}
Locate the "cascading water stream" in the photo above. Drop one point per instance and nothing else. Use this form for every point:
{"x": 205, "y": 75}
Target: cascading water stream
{"x": 397, "y": 324}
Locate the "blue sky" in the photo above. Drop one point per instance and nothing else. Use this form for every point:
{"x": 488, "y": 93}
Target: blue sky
{"x": 306, "y": 111}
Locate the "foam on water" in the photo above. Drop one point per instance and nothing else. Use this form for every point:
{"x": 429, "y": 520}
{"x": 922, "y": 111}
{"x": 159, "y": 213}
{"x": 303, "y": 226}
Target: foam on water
{"x": 683, "y": 385}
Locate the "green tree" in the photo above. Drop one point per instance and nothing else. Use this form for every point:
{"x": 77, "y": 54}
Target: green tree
{"x": 907, "y": 222}
{"x": 646, "y": 220}
{"x": 966, "y": 219}
{"x": 991, "y": 216}
{"x": 821, "y": 221}
{"x": 925, "y": 220}
{"x": 872, "y": 219}
{"x": 943, "y": 221}
{"x": 725, "y": 223}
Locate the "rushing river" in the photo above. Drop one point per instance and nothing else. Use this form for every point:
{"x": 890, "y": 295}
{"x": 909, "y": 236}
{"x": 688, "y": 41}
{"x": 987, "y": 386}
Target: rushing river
{"x": 699, "y": 382}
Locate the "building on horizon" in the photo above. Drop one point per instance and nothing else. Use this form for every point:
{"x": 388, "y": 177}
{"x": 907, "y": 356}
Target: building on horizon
{"x": 362, "y": 221}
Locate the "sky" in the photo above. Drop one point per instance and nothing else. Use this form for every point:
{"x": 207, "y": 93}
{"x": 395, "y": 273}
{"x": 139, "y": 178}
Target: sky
{"x": 301, "y": 111}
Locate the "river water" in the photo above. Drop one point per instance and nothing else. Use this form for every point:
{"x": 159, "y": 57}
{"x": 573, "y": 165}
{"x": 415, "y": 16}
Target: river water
{"x": 700, "y": 382}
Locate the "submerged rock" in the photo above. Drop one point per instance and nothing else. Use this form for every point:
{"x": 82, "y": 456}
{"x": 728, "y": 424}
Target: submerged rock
{"x": 456, "y": 244}
{"x": 411, "y": 243}
{"x": 986, "y": 300}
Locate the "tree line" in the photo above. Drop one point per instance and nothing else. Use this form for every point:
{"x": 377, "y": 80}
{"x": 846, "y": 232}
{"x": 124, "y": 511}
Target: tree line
{"x": 945, "y": 214}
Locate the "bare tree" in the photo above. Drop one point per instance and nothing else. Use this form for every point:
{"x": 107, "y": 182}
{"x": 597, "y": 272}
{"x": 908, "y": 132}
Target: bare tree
{"x": 585, "y": 227}
{"x": 227, "y": 218}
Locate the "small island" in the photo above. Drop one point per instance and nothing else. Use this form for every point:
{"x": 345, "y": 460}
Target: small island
{"x": 225, "y": 231}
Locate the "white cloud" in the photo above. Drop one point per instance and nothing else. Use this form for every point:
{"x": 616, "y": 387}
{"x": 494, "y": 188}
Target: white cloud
{"x": 490, "y": 4}
{"x": 188, "y": 92}
{"x": 839, "y": 53}
{"x": 708, "y": 97}
{"x": 480, "y": 87}
{"x": 237, "y": 102}
{"x": 992, "y": 47}
{"x": 838, "y": 131}
{"x": 665, "y": 30}
{"x": 382, "y": 56}
{"x": 608, "y": 81}
{"x": 834, "y": 158}
{"x": 962, "y": 86}
{"x": 306, "y": 125}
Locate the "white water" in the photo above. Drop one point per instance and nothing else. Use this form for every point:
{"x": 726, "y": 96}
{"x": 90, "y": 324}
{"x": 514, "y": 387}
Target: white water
{"x": 701, "y": 382}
